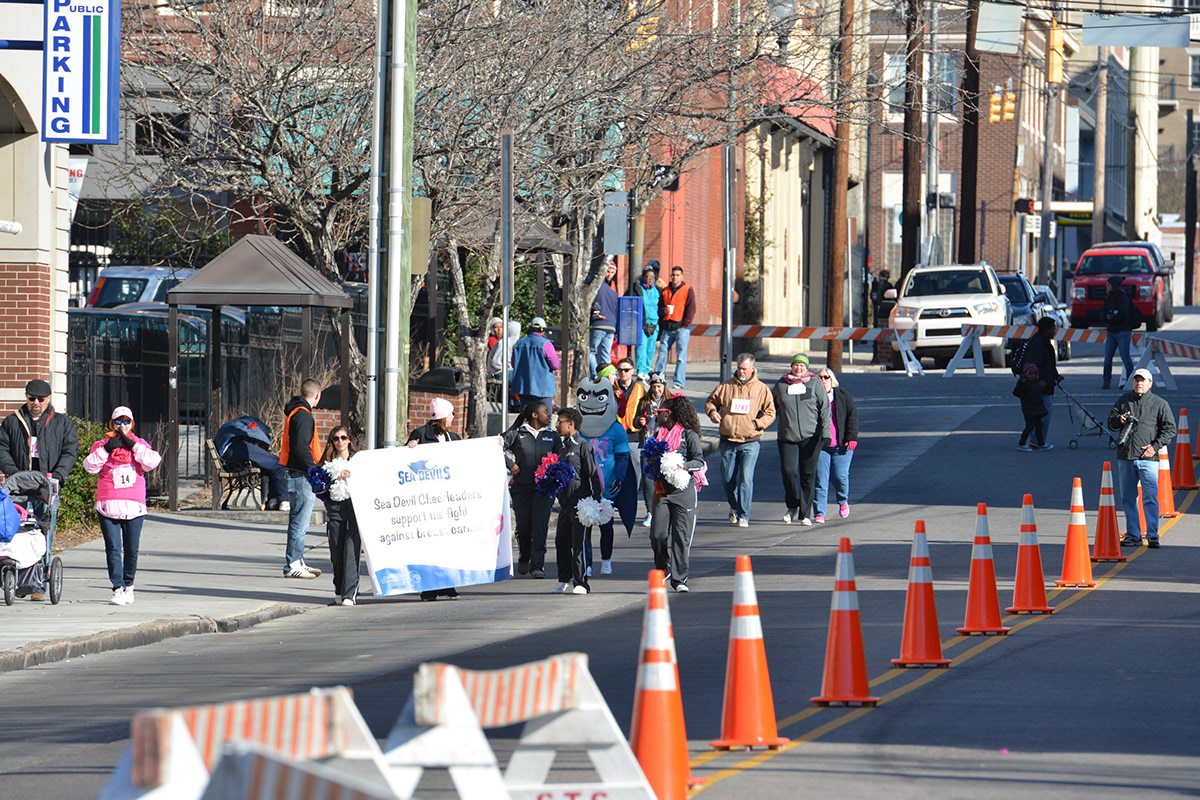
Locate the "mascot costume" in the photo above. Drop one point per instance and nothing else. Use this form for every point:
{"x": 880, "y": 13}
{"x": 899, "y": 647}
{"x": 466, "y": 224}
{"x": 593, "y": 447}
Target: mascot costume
{"x": 597, "y": 403}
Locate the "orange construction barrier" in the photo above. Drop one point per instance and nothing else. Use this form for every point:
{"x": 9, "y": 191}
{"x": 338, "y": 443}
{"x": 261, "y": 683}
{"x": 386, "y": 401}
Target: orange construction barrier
{"x": 1029, "y": 593}
{"x": 1141, "y": 513}
{"x": 983, "y": 601}
{"x": 657, "y": 734}
{"x": 921, "y": 642}
{"x": 1077, "y": 564}
{"x": 1166, "y": 492}
{"x": 1182, "y": 476}
{"x": 748, "y": 718}
{"x": 1108, "y": 533}
{"x": 845, "y": 680}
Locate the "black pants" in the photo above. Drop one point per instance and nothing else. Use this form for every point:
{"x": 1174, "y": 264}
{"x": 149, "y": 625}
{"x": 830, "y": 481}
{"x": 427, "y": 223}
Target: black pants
{"x": 1033, "y": 424}
{"x": 345, "y": 547}
{"x": 799, "y": 464}
{"x": 569, "y": 539}
{"x": 531, "y": 516}
{"x": 671, "y": 533}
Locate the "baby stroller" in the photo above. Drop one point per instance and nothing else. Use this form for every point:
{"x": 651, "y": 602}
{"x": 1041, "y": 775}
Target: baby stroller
{"x": 26, "y": 565}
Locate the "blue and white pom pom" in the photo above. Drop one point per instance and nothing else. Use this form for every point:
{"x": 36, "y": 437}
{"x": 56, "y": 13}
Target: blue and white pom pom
{"x": 672, "y": 470}
{"x": 590, "y": 512}
{"x": 338, "y": 490}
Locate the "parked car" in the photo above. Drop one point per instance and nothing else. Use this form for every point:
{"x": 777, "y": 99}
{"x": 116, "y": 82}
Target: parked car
{"x": 1053, "y": 307}
{"x": 1143, "y": 281}
{"x": 935, "y": 302}
{"x": 1160, "y": 262}
{"x": 117, "y": 286}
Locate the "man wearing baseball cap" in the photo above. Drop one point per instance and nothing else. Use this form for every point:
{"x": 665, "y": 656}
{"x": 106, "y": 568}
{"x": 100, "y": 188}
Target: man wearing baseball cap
{"x": 534, "y": 362}
{"x": 1146, "y": 425}
{"x": 37, "y": 437}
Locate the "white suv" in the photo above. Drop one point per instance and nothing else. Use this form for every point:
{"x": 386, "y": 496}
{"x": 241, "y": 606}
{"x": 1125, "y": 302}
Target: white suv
{"x": 937, "y": 301}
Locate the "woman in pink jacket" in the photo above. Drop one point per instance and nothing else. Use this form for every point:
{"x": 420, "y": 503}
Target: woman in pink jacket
{"x": 121, "y": 459}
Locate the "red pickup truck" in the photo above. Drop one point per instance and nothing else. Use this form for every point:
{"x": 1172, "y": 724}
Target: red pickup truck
{"x": 1142, "y": 281}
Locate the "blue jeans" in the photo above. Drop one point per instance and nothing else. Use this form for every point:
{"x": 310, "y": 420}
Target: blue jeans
{"x": 835, "y": 460}
{"x": 1113, "y": 341}
{"x": 300, "y": 495}
{"x": 600, "y": 344}
{"x": 1129, "y": 473}
{"x": 737, "y": 471}
{"x": 121, "y": 539}
{"x": 678, "y": 338}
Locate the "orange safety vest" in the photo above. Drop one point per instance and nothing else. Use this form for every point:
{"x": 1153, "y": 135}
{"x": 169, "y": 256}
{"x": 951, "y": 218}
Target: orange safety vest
{"x": 286, "y": 448}
{"x": 675, "y": 309}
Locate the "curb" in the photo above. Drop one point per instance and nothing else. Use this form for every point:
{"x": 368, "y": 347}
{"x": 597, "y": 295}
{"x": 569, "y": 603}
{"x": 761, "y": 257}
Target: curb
{"x": 51, "y": 650}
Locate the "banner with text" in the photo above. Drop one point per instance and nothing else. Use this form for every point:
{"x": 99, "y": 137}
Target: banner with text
{"x": 433, "y": 516}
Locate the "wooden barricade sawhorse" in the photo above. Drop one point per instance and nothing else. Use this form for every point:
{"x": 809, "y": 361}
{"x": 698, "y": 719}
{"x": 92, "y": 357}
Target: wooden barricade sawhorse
{"x": 1152, "y": 357}
{"x": 898, "y": 339}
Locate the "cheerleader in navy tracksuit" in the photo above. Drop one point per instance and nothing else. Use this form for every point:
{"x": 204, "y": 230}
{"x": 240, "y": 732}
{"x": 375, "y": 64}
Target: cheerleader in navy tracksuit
{"x": 675, "y": 512}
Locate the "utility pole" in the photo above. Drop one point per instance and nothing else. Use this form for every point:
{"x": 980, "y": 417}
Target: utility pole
{"x": 970, "y": 142}
{"x": 933, "y": 251}
{"x": 1189, "y": 243}
{"x": 1053, "y": 85}
{"x": 1098, "y": 210}
{"x": 914, "y": 25}
{"x": 841, "y": 178}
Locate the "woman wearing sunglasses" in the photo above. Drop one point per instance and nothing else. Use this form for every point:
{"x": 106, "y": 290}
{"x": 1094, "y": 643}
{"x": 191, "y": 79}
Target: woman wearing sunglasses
{"x": 341, "y": 526}
{"x": 120, "y": 460}
{"x": 833, "y": 464}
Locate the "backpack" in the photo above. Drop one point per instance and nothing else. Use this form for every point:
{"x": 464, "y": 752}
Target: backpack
{"x": 1018, "y": 356}
{"x": 10, "y": 520}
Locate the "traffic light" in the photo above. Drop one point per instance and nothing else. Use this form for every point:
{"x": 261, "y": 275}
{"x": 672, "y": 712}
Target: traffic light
{"x": 1024, "y": 205}
{"x": 1010, "y": 106}
{"x": 994, "y": 110}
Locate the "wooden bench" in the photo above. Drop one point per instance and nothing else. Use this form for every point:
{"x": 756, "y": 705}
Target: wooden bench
{"x": 231, "y": 482}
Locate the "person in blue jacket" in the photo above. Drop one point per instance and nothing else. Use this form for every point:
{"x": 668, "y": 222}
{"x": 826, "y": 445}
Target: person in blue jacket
{"x": 649, "y": 288}
{"x": 534, "y": 362}
{"x": 604, "y": 323}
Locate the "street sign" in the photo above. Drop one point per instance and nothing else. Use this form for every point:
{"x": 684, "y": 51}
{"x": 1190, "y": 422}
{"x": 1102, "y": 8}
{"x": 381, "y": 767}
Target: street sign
{"x": 81, "y": 71}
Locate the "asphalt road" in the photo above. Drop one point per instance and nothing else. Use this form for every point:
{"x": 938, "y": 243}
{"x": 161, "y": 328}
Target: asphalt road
{"x": 1098, "y": 700}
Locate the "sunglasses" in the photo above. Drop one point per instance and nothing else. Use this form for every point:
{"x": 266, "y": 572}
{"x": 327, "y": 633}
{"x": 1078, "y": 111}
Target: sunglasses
{"x": 825, "y": 377}
{"x": 122, "y": 422}
{"x": 625, "y": 369}
{"x": 36, "y": 399}
{"x": 342, "y": 438}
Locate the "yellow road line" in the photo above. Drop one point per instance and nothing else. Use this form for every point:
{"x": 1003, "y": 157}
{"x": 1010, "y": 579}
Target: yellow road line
{"x": 926, "y": 676}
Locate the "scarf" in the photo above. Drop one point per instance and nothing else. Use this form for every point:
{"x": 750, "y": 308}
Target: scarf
{"x": 793, "y": 379}
{"x": 674, "y": 437}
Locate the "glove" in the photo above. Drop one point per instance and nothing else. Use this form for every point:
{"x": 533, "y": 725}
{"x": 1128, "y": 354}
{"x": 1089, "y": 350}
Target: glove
{"x": 614, "y": 488}
{"x": 112, "y": 444}
{"x": 851, "y": 445}
{"x": 126, "y": 441}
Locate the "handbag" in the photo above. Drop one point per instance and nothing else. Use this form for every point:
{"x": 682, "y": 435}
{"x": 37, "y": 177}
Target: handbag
{"x": 648, "y": 329}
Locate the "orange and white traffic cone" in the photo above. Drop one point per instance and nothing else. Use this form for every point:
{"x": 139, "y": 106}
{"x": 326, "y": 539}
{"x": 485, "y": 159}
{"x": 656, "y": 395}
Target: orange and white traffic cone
{"x": 921, "y": 642}
{"x": 1029, "y": 593}
{"x": 983, "y": 601}
{"x": 748, "y": 718}
{"x": 1182, "y": 476}
{"x": 1077, "y": 564}
{"x": 1108, "y": 535}
{"x": 1166, "y": 492}
{"x": 1141, "y": 513}
{"x": 657, "y": 734}
{"x": 845, "y": 680}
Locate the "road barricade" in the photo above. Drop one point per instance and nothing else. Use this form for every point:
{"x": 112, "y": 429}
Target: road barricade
{"x": 899, "y": 340}
{"x": 441, "y": 727}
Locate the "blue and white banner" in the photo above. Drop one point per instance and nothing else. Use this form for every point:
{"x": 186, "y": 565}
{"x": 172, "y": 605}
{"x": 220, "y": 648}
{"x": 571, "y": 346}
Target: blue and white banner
{"x": 81, "y": 71}
{"x": 433, "y": 516}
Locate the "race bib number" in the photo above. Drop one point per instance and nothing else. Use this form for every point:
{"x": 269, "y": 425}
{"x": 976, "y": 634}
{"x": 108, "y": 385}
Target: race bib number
{"x": 124, "y": 477}
{"x": 33, "y": 447}
{"x": 741, "y": 406}
{"x": 795, "y": 388}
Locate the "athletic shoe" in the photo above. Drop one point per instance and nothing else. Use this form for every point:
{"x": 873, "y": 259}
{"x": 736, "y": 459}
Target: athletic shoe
{"x": 118, "y": 598}
{"x": 565, "y": 586}
{"x": 1129, "y": 540}
{"x": 788, "y": 519}
{"x": 313, "y": 570}
{"x": 819, "y": 518}
{"x": 682, "y": 588}
{"x": 806, "y": 522}
{"x": 297, "y": 570}
{"x": 1105, "y": 386}
{"x": 285, "y": 507}
{"x": 733, "y": 517}
{"x": 128, "y": 595}
{"x": 347, "y": 602}
{"x": 1152, "y": 544}
{"x": 743, "y": 522}
{"x": 1024, "y": 448}
{"x": 606, "y": 566}
{"x": 522, "y": 567}
{"x": 537, "y": 573}
{"x": 1046, "y": 447}
{"x": 844, "y": 510}
{"x": 579, "y": 590}
{"x": 648, "y": 521}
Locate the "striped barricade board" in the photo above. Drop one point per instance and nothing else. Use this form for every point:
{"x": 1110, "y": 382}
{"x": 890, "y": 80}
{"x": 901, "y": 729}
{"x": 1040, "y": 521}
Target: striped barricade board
{"x": 898, "y": 339}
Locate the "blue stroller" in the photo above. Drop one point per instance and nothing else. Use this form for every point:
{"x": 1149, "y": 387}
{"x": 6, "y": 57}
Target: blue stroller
{"x": 26, "y": 563}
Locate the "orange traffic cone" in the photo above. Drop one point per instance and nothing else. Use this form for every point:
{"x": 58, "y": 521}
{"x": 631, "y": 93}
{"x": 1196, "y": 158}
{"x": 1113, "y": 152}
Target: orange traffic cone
{"x": 983, "y": 601}
{"x": 748, "y": 718}
{"x": 1182, "y": 476}
{"x": 657, "y": 735}
{"x": 1077, "y": 565}
{"x": 1141, "y": 513}
{"x": 845, "y": 679}
{"x": 1029, "y": 593}
{"x": 1166, "y": 492}
{"x": 1108, "y": 535}
{"x": 921, "y": 642}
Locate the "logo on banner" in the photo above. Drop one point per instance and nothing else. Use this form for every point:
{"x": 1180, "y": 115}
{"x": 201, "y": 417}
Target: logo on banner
{"x": 422, "y": 471}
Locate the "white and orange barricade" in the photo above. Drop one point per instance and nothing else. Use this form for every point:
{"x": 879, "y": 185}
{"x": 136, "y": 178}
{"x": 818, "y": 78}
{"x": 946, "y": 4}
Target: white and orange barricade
{"x": 441, "y": 727}
{"x": 970, "y": 353}
{"x": 898, "y": 339}
{"x": 250, "y": 772}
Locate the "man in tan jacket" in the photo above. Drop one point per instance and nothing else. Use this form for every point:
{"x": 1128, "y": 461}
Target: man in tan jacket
{"x": 743, "y": 408}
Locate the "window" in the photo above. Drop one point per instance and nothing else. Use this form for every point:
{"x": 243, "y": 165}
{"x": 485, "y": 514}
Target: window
{"x": 893, "y": 80}
{"x": 156, "y": 133}
{"x": 944, "y": 86}
{"x": 1194, "y": 72}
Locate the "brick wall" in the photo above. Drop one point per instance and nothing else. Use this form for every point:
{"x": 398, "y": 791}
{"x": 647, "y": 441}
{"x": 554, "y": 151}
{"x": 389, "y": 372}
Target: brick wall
{"x": 418, "y": 409}
{"x": 25, "y": 336}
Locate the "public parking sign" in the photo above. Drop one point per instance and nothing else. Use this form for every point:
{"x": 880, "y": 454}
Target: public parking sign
{"x": 81, "y": 71}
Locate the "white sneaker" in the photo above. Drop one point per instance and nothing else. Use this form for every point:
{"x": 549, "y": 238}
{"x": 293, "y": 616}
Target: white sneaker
{"x": 806, "y": 522}
{"x": 742, "y": 523}
{"x": 648, "y": 521}
{"x": 313, "y": 570}
{"x": 789, "y": 517}
{"x": 118, "y": 598}
{"x": 579, "y": 590}
{"x": 347, "y": 602}
{"x": 682, "y": 588}
{"x": 297, "y": 570}
{"x": 128, "y": 595}
{"x": 563, "y": 587}
{"x": 733, "y": 517}
{"x": 606, "y": 566}
{"x": 285, "y": 507}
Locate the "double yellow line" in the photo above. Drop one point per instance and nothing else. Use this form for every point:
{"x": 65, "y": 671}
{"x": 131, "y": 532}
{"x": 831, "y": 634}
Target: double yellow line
{"x": 926, "y": 676}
